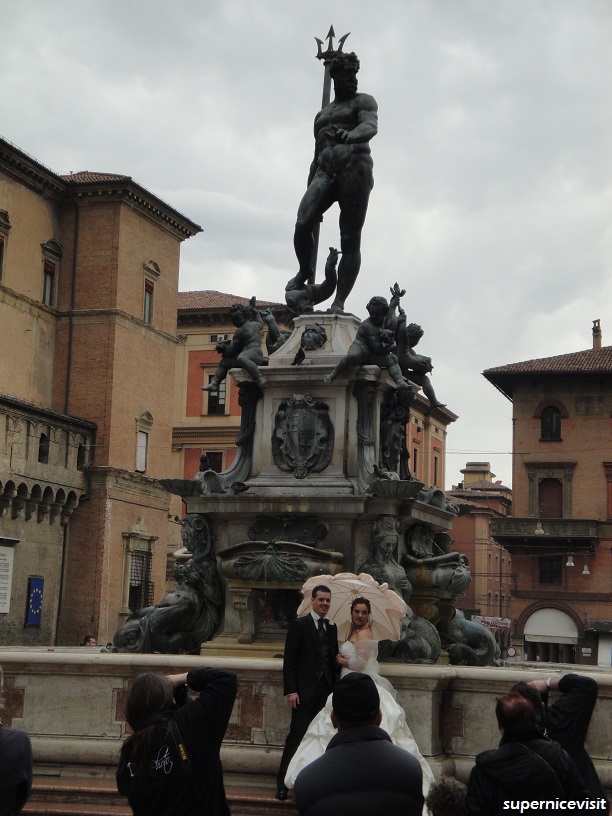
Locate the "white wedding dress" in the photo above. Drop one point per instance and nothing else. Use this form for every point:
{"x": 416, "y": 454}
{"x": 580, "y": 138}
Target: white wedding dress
{"x": 361, "y": 657}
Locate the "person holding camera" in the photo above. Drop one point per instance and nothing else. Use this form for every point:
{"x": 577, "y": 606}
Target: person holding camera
{"x": 171, "y": 764}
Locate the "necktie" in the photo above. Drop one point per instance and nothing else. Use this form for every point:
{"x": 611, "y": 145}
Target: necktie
{"x": 323, "y": 639}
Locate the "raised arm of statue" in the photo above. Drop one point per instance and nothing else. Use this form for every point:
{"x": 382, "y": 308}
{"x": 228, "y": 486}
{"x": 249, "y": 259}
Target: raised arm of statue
{"x": 254, "y": 312}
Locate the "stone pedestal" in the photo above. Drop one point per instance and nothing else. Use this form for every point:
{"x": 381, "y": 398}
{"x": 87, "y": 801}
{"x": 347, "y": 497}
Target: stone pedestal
{"x": 307, "y": 454}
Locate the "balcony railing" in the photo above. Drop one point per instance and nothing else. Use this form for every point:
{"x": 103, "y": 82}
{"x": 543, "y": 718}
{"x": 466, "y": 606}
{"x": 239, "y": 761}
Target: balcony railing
{"x": 575, "y": 534}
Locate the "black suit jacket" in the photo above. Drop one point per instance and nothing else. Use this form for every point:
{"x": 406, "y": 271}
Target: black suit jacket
{"x": 302, "y": 666}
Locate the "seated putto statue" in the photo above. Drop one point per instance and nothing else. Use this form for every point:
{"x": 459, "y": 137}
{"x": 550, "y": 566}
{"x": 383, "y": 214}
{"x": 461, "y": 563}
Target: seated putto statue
{"x": 244, "y": 349}
{"x": 373, "y": 345}
{"x": 415, "y": 367}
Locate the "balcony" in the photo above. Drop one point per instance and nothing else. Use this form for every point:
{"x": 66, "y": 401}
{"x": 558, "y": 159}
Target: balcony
{"x": 577, "y": 535}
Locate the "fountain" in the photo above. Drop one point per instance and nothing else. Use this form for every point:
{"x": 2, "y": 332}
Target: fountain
{"x": 320, "y": 483}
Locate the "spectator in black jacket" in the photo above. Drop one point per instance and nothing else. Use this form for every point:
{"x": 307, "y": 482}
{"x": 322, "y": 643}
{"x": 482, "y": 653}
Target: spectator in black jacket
{"x": 361, "y": 773}
{"x": 170, "y": 765}
{"x": 567, "y": 720}
{"x": 15, "y": 766}
{"x": 525, "y": 766}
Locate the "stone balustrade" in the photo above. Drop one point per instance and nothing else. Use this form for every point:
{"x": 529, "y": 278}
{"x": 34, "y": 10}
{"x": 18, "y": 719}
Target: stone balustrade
{"x": 71, "y": 702}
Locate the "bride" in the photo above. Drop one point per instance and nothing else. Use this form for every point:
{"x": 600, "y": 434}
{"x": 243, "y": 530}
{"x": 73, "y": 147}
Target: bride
{"x": 359, "y": 653}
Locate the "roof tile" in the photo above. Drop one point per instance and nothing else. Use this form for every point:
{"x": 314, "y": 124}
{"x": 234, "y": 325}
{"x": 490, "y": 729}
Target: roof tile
{"x": 87, "y": 177}
{"x": 211, "y": 299}
{"x": 578, "y": 362}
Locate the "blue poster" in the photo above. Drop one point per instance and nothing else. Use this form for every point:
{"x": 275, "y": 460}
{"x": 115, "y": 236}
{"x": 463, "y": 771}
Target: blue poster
{"x": 35, "y": 600}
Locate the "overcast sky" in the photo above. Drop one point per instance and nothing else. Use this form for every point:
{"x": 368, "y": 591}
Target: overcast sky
{"x": 492, "y": 193}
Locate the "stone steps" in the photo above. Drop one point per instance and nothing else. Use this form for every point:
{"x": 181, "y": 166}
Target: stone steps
{"x": 83, "y": 796}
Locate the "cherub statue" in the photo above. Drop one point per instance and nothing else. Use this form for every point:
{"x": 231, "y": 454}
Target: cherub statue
{"x": 373, "y": 345}
{"x": 415, "y": 367}
{"x": 244, "y": 349}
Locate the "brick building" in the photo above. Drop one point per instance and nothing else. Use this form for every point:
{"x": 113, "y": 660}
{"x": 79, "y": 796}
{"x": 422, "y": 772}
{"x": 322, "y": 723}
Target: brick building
{"x": 88, "y": 296}
{"x": 480, "y": 500}
{"x": 560, "y": 533}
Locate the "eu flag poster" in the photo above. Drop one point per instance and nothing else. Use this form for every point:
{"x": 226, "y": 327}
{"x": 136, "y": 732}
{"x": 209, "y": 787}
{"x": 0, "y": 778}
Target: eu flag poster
{"x": 35, "y": 600}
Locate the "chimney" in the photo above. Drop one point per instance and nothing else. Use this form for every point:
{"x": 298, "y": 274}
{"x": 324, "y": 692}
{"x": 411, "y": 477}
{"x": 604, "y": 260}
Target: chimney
{"x": 596, "y": 335}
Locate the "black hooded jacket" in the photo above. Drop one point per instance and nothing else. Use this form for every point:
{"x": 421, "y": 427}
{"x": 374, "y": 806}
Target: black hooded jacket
{"x": 567, "y": 721}
{"x": 526, "y": 766}
{"x": 176, "y": 787}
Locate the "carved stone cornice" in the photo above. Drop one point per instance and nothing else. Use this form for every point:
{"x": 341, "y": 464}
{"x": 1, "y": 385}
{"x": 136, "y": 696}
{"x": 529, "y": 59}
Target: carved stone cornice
{"x": 126, "y": 481}
{"x": 17, "y": 409}
{"x": 14, "y": 162}
{"x": 126, "y": 191}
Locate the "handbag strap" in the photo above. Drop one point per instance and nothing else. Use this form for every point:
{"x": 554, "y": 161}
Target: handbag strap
{"x": 180, "y": 746}
{"x": 542, "y": 760}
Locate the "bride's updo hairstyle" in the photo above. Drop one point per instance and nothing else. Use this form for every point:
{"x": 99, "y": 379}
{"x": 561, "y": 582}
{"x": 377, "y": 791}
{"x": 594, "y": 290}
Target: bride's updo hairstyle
{"x": 368, "y": 606}
{"x": 363, "y": 601}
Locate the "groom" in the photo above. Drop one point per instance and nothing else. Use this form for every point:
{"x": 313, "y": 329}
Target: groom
{"x": 309, "y": 673}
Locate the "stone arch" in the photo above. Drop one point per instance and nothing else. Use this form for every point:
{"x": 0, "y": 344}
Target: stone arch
{"x": 550, "y": 403}
{"x": 19, "y": 500}
{"x": 72, "y": 500}
{"x": 45, "y": 503}
{"x": 552, "y": 633}
{"x": 527, "y": 613}
{"x": 58, "y": 504}
{"x": 7, "y": 494}
{"x": 33, "y": 501}
{"x": 9, "y": 489}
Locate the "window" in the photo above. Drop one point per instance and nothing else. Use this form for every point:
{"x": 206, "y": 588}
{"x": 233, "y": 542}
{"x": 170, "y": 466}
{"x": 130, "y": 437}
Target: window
{"x": 43, "y": 449}
{"x": 147, "y": 310}
{"x": 151, "y": 273}
{"x": 51, "y": 255}
{"x": 608, "y": 475}
{"x": 550, "y": 569}
{"x": 141, "y": 586}
{"x": 215, "y": 460}
{"x": 81, "y": 456}
{"x": 435, "y": 479}
{"x": 216, "y": 399}
{"x": 5, "y": 226}
{"x": 550, "y": 423}
{"x": 218, "y": 338}
{"x": 144, "y": 424}
{"x": 48, "y": 283}
{"x": 138, "y": 589}
{"x": 142, "y": 449}
{"x": 550, "y": 494}
{"x": 538, "y": 472}
{"x": 415, "y": 462}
